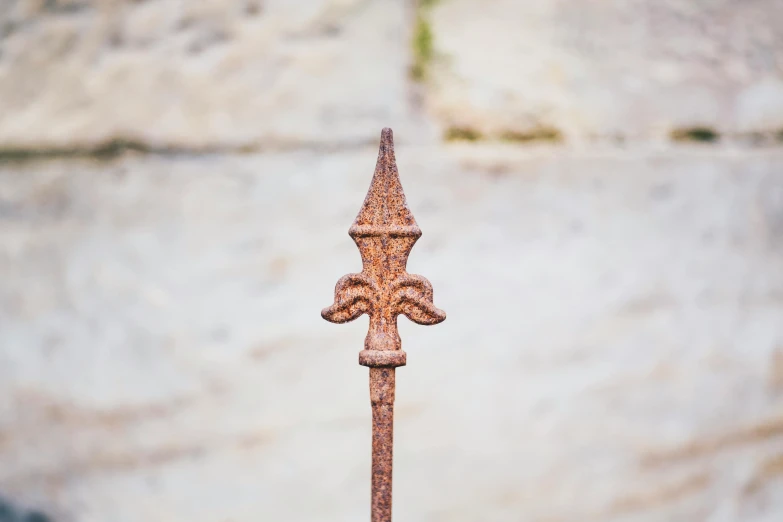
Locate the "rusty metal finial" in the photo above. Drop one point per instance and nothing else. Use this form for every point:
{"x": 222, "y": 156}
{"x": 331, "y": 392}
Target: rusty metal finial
{"x": 385, "y": 232}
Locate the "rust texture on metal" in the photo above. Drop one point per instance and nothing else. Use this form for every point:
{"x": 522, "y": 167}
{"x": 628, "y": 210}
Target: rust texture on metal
{"x": 385, "y": 232}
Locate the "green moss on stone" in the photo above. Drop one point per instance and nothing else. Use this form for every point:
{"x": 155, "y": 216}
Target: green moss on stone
{"x": 105, "y": 151}
{"x": 695, "y": 134}
{"x": 462, "y": 134}
{"x": 537, "y": 134}
{"x": 423, "y": 48}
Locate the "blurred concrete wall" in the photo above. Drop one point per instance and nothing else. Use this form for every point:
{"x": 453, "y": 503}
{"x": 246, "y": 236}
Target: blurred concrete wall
{"x": 608, "y": 70}
{"x": 206, "y": 74}
{"x": 176, "y": 184}
{"x": 242, "y": 74}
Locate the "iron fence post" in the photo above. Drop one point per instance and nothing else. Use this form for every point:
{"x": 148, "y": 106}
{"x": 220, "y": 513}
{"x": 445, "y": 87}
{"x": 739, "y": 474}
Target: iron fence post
{"x": 385, "y": 232}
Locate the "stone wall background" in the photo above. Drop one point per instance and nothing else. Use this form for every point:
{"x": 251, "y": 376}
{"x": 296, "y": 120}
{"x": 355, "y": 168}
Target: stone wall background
{"x": 598, "y": 71}
{"x": 600, "y": 187}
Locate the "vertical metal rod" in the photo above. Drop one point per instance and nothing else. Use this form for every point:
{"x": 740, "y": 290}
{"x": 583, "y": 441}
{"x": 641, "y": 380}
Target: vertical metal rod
{"x": 382, "y": 399}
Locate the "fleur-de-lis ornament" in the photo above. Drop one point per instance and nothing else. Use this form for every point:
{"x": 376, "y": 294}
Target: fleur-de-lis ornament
{"x": 385, "y": 232}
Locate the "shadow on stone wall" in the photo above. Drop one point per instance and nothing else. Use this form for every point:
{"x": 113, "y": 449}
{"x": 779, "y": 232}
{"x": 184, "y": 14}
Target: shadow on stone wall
{"x": 12, "y": 513}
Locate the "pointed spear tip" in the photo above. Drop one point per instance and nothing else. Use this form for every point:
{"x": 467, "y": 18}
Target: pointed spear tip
{"x": 384, "y": 208}
{"x": 386, "y": 148}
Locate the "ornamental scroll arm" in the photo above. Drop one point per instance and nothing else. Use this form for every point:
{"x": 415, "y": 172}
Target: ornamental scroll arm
{"x": 354, "y": 295}
{"x": 412, "y": 297}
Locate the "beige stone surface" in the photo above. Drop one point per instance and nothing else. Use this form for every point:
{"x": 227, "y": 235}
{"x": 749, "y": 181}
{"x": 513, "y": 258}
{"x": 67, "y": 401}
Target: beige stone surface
{"x": 614, "y": 344}
{"x": 206, "y": 74}
{"x": 276, "y": 74}
{"x": 612, "y": 352}
{"x": 634, "y": 70}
